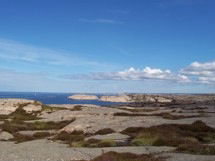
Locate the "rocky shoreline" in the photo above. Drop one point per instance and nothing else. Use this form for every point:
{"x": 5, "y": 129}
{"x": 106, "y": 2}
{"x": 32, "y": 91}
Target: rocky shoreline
{"x": 159, "y": 125}
{"x": 150, "y": 98}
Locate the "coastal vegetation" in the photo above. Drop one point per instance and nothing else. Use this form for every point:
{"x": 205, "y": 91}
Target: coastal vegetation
{"x": 182, "y": 136}
{"x": 164, "y": 115}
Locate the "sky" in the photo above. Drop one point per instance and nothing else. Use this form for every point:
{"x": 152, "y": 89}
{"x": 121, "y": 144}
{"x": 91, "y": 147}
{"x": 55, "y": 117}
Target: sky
{"x": 107, "y": 46}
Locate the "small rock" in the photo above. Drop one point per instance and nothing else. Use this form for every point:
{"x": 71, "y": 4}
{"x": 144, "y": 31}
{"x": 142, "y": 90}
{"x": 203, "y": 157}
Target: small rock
{"x": 71, "y": 129}
{"x": 117, "y": 137}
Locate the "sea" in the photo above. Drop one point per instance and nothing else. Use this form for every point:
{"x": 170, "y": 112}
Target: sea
{"x": 53, "y": 98}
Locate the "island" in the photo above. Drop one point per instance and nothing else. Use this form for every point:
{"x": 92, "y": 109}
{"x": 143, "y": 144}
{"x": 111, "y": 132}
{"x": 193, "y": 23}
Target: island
{"x": 116, "y": 98}
{"x": 83, "y": 97}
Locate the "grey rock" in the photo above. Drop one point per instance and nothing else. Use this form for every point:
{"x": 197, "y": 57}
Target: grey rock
{"x": 117, "y": 137}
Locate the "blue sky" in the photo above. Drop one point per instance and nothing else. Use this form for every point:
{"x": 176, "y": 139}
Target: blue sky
{"x": 107, "y": 46}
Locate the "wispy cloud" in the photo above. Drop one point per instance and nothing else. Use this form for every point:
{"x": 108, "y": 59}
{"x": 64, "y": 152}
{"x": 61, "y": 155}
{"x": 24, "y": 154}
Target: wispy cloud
{"x": 12, "y": 50}
{"x": 101, "y": 21}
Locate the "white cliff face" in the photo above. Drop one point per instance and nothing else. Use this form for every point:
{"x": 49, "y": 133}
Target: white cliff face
{"x": 8, "y": 106}
{"x": 83, "y": 97}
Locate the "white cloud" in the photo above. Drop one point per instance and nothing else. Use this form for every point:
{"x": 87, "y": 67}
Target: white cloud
{"x": 202, "y": 72}
{"x": 134, "y": 74}
{"x": 207, "y": 80}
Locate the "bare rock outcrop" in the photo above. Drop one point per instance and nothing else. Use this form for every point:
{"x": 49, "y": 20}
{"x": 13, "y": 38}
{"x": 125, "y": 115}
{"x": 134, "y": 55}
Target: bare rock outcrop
{"x": 120, "y": 98}
{"x": 32, "y": 108}
{"x": 8, "y": 106}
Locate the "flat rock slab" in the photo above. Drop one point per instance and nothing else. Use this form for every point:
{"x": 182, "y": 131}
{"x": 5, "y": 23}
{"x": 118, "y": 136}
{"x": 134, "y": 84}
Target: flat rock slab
{"x": 31, "y": 133}
{"x": 39, "y": 150}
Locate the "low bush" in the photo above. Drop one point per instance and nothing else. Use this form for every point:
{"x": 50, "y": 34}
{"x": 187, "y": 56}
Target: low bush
{"x": 104, "y": 131}
{"x": 19, "y": 125}
{"x": 19, "y": 138}
{"x": 171, "y": 134}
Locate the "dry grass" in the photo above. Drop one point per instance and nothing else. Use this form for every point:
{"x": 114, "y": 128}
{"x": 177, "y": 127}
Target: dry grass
{"x": 19, "y": 138}
{"x": 164, "y": 115}
{"x": 196, "y": 149}
{"x": 70, "y": 138}
{"x": 139, "y": 109}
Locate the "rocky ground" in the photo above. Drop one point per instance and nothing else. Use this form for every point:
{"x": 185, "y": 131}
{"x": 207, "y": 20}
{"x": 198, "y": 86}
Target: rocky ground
{"x": 155, "y": 128}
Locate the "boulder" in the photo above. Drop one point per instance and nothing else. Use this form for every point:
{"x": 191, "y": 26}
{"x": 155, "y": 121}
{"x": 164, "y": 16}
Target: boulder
{"x": 75, "y": 128}
{"x": 4, "y": 136}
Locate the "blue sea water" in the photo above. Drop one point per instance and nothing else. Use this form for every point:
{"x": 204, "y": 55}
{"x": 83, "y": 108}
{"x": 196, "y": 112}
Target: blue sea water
{"x": 52, "y": 98}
